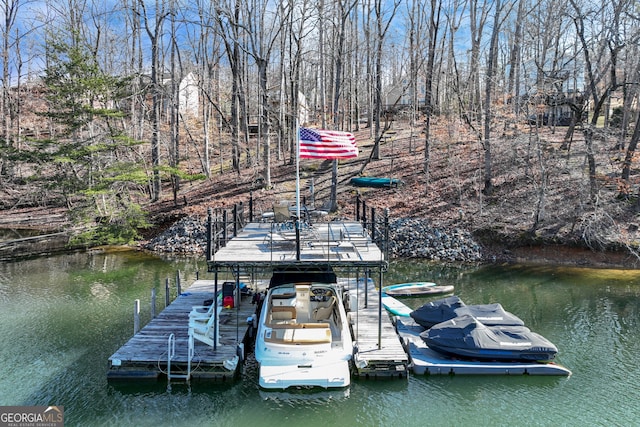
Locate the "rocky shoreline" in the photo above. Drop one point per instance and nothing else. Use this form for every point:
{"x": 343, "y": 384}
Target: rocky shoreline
{"x": 411, "y": 238}
{"x": 408, "y": 238}
{"x": 417, "y": 238}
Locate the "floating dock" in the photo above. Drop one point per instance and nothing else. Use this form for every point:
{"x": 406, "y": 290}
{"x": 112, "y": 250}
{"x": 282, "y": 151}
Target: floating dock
{"x": 425, "y": 361}
{"x": 161, "y": 348}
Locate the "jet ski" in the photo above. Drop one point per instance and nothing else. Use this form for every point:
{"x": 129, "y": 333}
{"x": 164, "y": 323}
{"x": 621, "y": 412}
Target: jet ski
{"x": 444, "y": 309}
{"x": 467, "y": 337}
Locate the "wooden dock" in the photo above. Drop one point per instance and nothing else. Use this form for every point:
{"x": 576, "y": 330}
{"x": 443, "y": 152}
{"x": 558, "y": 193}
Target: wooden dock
{"x": 146, "y": 354}
{"x": 380, "y": 352}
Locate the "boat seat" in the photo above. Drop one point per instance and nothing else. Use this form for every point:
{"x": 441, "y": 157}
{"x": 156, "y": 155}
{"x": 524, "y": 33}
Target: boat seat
{"x": 324, "y": 312}
{"x": 285, "y": 313}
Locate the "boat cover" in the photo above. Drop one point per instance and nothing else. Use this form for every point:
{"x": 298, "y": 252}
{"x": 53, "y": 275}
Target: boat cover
{"x": 444, "y": 309}
{"x": 465, "y": 336}
{"x": 318, "y": 274}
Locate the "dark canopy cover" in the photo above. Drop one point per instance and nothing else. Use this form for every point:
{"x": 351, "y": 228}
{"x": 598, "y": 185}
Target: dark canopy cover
{"x": 444, "y": 309}
{"x": 465, "y": 336}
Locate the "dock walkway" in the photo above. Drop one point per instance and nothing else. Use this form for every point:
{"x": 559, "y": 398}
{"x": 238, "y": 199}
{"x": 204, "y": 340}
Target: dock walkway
{"x": 380, "y": 351}
{"x": 145, "y": 355}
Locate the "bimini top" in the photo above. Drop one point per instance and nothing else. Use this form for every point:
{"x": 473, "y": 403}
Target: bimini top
{"x": 318, "y": 274}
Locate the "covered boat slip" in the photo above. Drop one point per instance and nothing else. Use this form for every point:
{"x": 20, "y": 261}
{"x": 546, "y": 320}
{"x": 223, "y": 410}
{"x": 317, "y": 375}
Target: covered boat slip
{"x": 351, "y": 250}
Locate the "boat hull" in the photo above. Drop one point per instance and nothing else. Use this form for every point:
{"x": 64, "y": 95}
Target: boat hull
{"x": 417, "y": 289}
{"x": 375, "y": 182}
{"x": 315, "y": 375}
{"x": 303, "y": 338}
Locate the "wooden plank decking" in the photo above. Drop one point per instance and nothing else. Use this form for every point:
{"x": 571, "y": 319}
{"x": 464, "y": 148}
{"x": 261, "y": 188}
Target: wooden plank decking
{"x": 380, "y": 351}
{"x": 269, "y": 244}
{"x": 145, "y": 354}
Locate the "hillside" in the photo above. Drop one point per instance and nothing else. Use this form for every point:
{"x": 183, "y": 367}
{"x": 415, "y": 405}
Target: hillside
{"x": 539, "y": 209}
{"x": 569, "y": 227}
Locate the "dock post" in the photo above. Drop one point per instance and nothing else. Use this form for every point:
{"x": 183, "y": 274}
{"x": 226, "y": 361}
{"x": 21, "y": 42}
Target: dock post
{"x": 136, "y": 316}
{"x": 235, "y": 220}
{"x": 236, "y": 295}
{"x": 251, "y": 206}
{"x": 373, "y": 224}
{"x": 380, "y": 284}
{"x": 178, "y": 284}
{"x": 366, "y": 288}
{"x": 364, "y": 214}
{"x": 209, "y": 233}
{"x": 166, "y": 292}
{"x": 385, "y": 251}
{"x": 224, "y": 228}
{"x": 298, "y": 239}
{"x": 215, "y": 310}
{"x": 153, "y": 303}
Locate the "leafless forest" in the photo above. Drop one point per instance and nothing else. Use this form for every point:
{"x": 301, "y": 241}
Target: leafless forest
{"x": 516, "y": 119}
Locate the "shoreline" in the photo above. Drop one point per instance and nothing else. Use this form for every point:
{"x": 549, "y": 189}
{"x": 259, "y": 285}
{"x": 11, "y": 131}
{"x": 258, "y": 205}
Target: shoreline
{"x": 558, "y": 254}
{"x": 186, "y": 239}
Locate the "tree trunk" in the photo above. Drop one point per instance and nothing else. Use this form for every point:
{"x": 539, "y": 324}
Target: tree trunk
{"x": 428, "y": 101}
{"x": 265, "y": 121}
{"x": 486, "y": 142}
{"x": 628, "y": 159}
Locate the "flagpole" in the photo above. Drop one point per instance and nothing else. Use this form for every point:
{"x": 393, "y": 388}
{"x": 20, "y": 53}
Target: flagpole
{"x": 297, "y": 169}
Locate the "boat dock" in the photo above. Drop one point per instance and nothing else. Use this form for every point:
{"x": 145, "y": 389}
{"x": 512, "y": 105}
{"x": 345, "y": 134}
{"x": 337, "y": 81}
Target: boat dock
{"x": 171, "y": 345}
{"x": 353, "y": 249}
{"x": 162, "y": 347}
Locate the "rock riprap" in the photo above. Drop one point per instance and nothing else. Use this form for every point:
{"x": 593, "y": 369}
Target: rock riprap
{"x": 417, "y": 238}
{"x": 408, "y": 238}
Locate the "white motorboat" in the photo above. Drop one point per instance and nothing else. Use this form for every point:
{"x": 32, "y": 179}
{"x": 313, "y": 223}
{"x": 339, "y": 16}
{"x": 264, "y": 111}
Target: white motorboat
{"x": 303, "y": 337}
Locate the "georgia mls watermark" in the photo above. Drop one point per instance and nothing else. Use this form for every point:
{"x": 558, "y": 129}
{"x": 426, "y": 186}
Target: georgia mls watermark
{"x": 31, "y": 416}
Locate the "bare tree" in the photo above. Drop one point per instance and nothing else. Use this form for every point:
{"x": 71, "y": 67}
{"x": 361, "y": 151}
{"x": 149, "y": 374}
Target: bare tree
{"x": 230, "y": 26}
{"x": 344, "y": 9}
{"x": 488, "y": 107}
{"x": 478, "y": 15}
{"x": 382, "y": 27}
{"x": 10, "y": 54}
{"x": 434, "y": 26}
{"x": 416, "y": 18}
{"x": 263, "y": 25}
{"x": 600, "y": 60}
{"x": 153, "y": 24}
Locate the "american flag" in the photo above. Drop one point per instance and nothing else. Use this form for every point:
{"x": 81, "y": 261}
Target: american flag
{"x": 327, "y": 144}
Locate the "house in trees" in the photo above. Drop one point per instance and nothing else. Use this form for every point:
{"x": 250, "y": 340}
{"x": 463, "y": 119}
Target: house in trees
{"x": 553, "y": 101}
{"x": 399, "y": 97}
{"x": 189, "y": 96}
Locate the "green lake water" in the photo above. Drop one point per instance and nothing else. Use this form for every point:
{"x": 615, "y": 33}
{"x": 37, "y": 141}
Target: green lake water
{"x": 61, "y": 317}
